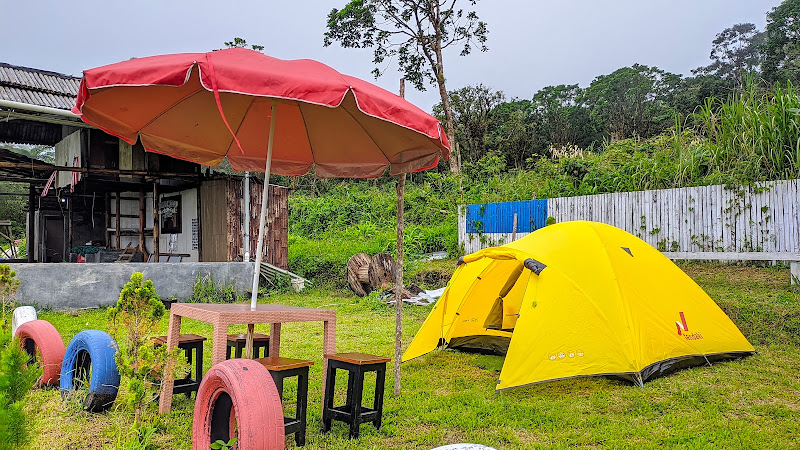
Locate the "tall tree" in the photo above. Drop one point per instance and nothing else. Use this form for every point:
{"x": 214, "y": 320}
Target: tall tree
{"x": 782, "y": 43}
{"x": 563, "y": 120}
{"x": 472, "y": 115}
{"x": 632, "y": 101}
{"x": 416, "y": 32}
{"x": 513, "y": 134}
{"x": 734, "y": 53}
{"x": 238, "y": 42}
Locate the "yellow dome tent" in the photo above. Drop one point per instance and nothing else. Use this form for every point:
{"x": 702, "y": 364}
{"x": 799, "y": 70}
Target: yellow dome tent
{"x": 579, "y": 299}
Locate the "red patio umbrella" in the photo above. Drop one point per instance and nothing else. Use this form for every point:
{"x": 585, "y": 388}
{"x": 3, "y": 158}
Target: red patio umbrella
{"x": 203, "y": 107}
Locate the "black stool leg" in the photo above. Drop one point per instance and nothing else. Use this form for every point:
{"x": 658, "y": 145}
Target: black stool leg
{"x": 198, "y": 362}
{"x": 327, "y": 401}
{"x": 302, "y": 403}
{"x": 239, "y": 348}
{"x": 380, "y": 384}
{"x": 228, "y": 351}
{"x": 355, "y": 400}
{"x": 188, "y": 352}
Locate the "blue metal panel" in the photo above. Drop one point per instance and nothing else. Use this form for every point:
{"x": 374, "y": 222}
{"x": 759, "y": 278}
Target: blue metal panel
{"x": 499, "y": 217}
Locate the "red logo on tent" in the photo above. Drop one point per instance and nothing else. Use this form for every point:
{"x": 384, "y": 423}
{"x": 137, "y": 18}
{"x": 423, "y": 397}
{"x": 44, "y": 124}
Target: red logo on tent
{"x": 683, "y": 330}
{"x": 682, "y": 327}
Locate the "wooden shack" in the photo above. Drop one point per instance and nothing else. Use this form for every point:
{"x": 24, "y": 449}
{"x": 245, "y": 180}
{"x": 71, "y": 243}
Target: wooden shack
{"x": 106, "y": 198}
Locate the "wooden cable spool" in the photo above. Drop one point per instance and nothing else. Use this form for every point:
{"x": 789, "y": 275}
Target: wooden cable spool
{"x": 381, "y": 270}
{"x": 358, "y": 273}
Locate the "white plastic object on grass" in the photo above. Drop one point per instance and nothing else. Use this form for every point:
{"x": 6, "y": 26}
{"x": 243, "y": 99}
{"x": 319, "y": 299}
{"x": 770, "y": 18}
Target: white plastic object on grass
{"x": 21, "y": 315}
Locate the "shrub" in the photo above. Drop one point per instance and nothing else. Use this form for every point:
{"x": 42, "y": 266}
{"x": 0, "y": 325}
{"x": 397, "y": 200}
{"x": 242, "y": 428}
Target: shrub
{"x": 8, "y": 293}
{"x": 17, "y": 377}
{"x": 133, "y": 322}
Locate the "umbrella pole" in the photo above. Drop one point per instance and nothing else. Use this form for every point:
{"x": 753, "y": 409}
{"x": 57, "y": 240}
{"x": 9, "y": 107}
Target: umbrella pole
{"x": 260, "y": 244}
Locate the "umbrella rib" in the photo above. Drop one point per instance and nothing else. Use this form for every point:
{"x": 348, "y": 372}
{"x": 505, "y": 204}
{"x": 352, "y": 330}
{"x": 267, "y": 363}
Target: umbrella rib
{"x": 238, "y": 127}
{"x": 308, "y": 136}
{"x": 367, "y": 132}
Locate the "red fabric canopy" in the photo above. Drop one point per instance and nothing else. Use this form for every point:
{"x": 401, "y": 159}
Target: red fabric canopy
{"x": 191, "y": 106}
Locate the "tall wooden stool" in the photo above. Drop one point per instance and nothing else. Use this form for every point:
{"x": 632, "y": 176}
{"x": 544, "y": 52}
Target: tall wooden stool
{"x": 280, "y": 369}
{"x": 353, "y": 413}
{"x": 189, "y": 343}
{"x": 238, "y": 342}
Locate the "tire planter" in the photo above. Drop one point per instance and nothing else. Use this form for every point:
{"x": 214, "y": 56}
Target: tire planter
{"x": 90, "y": 359}
{"x": 238, "y": 398}
{"x": 40, "y": 337}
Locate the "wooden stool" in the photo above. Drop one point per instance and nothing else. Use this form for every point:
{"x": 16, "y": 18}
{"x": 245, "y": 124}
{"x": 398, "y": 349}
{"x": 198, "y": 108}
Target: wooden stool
{"x": 188, "y": 343}
{"x": 280, "y": 369}
{"x": 353, "y": 413}
{"x": 238, "y": 342}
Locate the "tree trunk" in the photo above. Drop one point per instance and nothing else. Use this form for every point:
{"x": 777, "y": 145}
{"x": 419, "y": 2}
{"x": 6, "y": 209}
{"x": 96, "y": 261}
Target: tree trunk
{"x": 449, "y": 126}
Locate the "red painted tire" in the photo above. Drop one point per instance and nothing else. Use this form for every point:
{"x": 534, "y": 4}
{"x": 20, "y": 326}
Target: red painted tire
{"x": 241, "y": 392}
{"x": 39, "y": 336}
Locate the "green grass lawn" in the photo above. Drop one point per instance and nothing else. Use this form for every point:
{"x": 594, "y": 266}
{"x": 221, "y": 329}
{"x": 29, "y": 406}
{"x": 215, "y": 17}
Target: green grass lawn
{"x": 449, "y": 397}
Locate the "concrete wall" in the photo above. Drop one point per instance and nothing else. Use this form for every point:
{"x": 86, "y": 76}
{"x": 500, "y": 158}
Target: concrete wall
{"x": 71, "y": 286}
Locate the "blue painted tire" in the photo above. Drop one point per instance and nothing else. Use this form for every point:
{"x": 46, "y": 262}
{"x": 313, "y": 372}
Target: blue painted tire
{"x": 90, "y": 359}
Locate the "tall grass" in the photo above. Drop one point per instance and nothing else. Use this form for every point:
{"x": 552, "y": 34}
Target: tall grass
{"x": 754, "y": 135}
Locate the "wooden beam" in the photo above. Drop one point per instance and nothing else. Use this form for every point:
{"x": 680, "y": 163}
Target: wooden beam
{"x": 734, "y": 256}
{"x": 95, "y": 170}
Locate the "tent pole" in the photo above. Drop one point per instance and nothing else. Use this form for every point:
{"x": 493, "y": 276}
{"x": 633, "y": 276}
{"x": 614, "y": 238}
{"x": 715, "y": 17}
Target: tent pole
{"x": 261, "y": 224}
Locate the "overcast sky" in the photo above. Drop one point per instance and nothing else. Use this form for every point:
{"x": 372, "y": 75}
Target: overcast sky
{"x": 532, "y": 43}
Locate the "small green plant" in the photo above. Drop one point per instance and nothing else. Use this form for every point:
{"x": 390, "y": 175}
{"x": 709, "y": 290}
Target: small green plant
{"x": 550, "y": 220}
{"x": 220, "y": 444}
{"x": 205, "y": 290}
{"x": 279, "y": 284}
{"x": 17, "y": 377}
{"x": 133, "y": 322}
{"x": 8, "y": 293}
{"x": 140, "y": 438}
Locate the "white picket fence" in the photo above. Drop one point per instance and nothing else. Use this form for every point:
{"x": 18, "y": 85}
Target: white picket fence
{"x": 762, "y": 217}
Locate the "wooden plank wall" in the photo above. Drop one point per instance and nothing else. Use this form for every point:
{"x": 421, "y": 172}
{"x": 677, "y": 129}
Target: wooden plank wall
{"x": 762, "y": 217}
{"x": 213, "y": 221}
{"x": 276, "y": 241}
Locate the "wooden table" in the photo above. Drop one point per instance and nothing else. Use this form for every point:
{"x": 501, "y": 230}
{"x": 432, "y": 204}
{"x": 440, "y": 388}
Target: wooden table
{"x": 223, "y": 315}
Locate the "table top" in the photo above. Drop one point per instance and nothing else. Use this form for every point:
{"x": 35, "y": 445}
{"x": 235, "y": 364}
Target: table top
{"x": 241, "y": 313}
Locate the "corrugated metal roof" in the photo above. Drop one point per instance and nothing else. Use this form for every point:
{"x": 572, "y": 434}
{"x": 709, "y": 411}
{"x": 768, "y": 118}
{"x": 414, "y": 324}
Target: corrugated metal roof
{"x": 38, "y": 87}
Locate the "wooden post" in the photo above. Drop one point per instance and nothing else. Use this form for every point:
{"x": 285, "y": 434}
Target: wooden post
{"x": 119, "y": 219}
{"x": 141, "y": 223}
{"x": 155, "y": 220}
{"x": 31, "y": 235}
{"x": 398, "y": 328}
{"x": 199, "y": 226}
{"x": 107, "y": 204}
{"x": 398, "y": 289}
{"x": 514, "y": 229}
{"x": 69, "y": 228}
